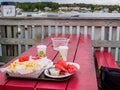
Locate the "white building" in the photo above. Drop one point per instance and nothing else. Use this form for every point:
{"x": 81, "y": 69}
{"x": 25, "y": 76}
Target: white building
{"x": 18, "y": 10}
{"x": 106, "y": 10}
{"x": 47, "y": 9}
{"x": 63, "y": 8}
{"x": 115, "y": 11}
{"x": 8, "y": 9}
{"x": 74, "y": 8}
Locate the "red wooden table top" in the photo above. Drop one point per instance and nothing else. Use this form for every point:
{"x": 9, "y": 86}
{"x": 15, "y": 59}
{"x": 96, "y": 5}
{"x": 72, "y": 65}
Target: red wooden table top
{"x": 80, "y": 51}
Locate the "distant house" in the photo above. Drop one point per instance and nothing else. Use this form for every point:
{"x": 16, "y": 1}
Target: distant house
{"x": 63, "y": 8}
{"x": 18, "y": 10}
{"x": 98, "y": 11}
{"x": 35, "y": 10}
{"x": 106, "y": 9}
{"x": 115, "y": 11}
{"x": 84, "y": 8}
{"x": 47, "y": 9}
{"x": 74, "y": 8}
{"x": 8, "y": 8}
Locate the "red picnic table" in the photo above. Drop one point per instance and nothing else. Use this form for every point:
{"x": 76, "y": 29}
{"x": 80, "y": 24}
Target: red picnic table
{"x": 80, "y": 51}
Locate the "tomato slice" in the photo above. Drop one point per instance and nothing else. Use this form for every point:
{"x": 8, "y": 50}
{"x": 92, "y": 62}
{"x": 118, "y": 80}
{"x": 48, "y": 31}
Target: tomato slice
{"x": 36, "y": 58}
{"x": 61, "y": 67}
{"x": 62, "y": 63}
{"x": 23, "y": 58}
{"x": 71, "y": 68}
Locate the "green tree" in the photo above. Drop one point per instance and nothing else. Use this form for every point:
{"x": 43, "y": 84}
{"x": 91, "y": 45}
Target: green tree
{"x": 41, "y": 5}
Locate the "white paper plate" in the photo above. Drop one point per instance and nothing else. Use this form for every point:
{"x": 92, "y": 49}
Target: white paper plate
{"x": 46, "y": 72}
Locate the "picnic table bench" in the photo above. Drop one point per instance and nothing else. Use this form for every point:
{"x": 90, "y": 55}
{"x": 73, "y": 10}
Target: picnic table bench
{"x": 80, "y": 51}
{"x": 105, "y": 58}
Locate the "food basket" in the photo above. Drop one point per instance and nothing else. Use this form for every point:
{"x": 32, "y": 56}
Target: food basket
{"x": 29, "y": 69}
{"x": 34, "y": 74}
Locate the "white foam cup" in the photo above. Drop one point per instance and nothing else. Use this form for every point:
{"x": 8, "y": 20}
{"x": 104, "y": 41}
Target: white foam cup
{"x": 41, "y": 49}
{"x": 63, "y": 50}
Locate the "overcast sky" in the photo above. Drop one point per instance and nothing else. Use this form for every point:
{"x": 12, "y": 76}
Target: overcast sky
{"x": 110, "y": 2}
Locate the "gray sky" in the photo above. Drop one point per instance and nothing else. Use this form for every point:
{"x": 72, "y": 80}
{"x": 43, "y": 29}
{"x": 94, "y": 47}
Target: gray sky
{"x": 109, "y": 2}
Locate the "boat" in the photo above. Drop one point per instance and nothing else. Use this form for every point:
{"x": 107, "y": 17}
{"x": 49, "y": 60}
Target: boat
{"x": 39, "y": 14}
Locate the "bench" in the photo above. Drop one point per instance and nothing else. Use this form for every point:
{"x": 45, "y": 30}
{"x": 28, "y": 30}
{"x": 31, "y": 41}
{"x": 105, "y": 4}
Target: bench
{"x": 105, "y": 58}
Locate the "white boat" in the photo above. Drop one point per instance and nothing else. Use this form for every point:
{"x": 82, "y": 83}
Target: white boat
{"x": 39, "y": 14}
{"x": 60, "y": 12}
{"x": 70, "y": 14}
{"x": 21, "y": 15}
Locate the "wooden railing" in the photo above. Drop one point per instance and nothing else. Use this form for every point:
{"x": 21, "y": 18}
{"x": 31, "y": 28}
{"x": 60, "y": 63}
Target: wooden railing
{"x": 17, "y": 34}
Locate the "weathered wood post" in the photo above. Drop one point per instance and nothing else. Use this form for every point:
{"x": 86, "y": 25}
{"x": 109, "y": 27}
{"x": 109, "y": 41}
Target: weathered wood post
{"x": 33, "y": 32}
{"x": 19, "y": 36}
{"x": 26, "y": 35}
{"x": 0, "y": 46}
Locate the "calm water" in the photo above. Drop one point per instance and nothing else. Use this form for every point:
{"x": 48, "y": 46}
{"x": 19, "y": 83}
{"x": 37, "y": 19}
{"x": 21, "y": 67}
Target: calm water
{"x": 77, "y": 14}
{"x": 68, "y": 14}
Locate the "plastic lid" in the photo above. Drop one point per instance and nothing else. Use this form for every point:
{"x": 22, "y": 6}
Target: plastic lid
{"x": 63, "y": 47}
{"x": 43, "y": 46}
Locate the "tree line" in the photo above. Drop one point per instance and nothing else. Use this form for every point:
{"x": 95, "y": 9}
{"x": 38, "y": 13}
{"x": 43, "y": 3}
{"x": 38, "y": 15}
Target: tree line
{"x": 30, "y": 6}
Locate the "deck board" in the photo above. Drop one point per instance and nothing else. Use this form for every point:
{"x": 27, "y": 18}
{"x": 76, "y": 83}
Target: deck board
{"x": 86, "y": 76}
